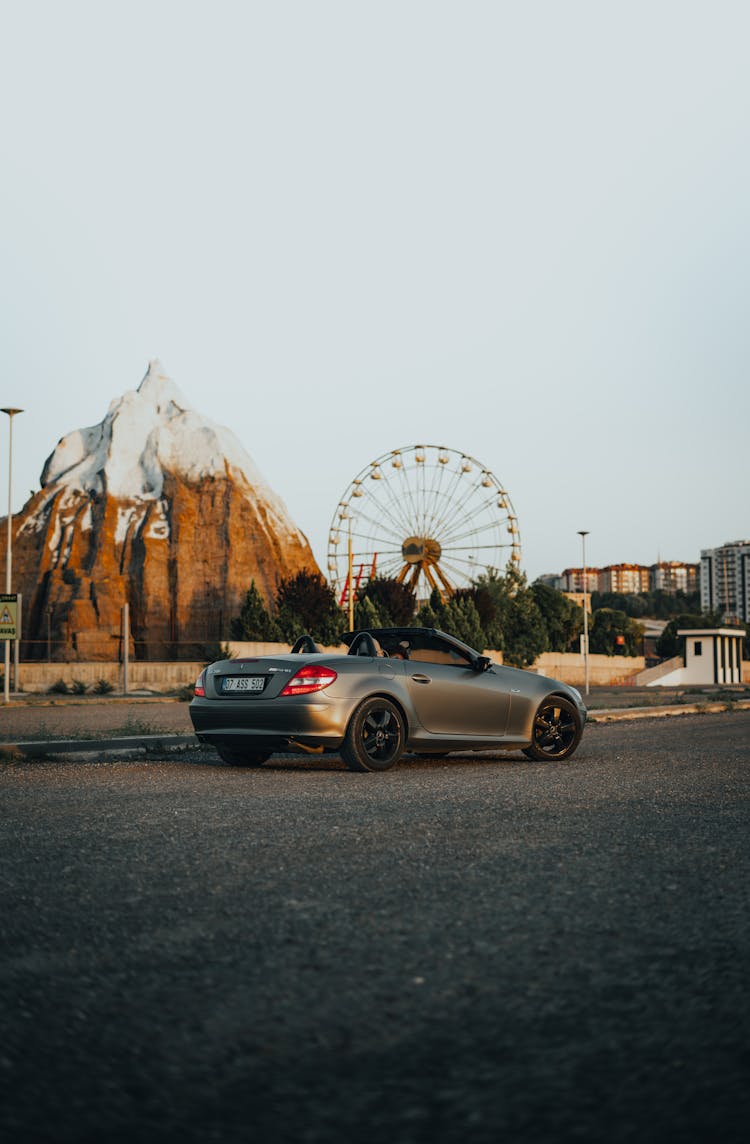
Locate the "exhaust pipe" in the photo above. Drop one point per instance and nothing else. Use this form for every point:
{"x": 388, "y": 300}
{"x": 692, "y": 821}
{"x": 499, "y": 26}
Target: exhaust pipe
{"x": 303, "y": 747}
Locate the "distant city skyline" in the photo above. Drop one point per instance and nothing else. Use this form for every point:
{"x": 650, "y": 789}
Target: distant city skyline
{"x": 520, "y": 232}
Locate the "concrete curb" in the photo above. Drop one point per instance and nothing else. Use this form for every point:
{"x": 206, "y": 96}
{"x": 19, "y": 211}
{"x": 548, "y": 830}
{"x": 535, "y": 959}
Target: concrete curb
{"x": 614, "y": 713}
{"x": 39, "y": 748}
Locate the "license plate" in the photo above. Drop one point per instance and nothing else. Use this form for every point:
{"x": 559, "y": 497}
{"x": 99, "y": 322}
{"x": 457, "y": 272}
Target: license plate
{"x": 244, "y": 683}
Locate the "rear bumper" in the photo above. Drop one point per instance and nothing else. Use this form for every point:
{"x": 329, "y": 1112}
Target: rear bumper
{"x": 271, "y": 725}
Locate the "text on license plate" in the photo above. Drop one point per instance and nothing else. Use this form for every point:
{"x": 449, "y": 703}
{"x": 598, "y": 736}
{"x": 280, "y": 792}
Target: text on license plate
{"x": 244, "y": 683}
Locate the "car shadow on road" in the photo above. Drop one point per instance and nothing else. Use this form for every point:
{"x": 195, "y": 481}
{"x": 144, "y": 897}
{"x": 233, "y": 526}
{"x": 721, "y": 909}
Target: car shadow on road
{"x": 303, "y": 763}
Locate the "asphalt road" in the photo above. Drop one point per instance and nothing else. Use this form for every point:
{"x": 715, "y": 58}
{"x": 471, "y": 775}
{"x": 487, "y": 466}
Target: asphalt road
{"x": 458, "y": 950}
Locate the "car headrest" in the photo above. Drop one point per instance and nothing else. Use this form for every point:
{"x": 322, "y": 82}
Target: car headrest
{"x": 305, "y": 645}
{"x": 365, "y": 644}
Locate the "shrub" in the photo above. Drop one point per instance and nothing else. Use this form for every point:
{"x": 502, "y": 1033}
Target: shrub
{"x": 103, "y": 687}
{"x": 306, "y": 603}
{"x": 59, "y": 687}
{"x": 562, "y": 617}
{"x": 254, "y": 622}
{"x": 456, "y": 617}
{"x": 212, "y": 652}
{"x": 394, "y": 603}
{"x": 368, "y": 615}
{"x": 607, "y": 624}
{"x": 518, "y": 628}
{"x": 80, "y": 687}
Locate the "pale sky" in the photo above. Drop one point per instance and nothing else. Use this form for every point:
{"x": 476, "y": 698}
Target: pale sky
{"x": 519, "y": 230}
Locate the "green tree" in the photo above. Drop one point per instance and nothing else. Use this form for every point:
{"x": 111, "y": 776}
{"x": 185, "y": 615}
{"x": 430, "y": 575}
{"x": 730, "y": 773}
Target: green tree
{"x": 456, "y": 617}
{"x": 607, "y": 624}
{"x": 658, "y": 605}
{"x": 368, "y": 615}
{"x": 254, "y": 622}
{"x": 635, "y": 604}
{"x": 669, "y": 643}
{"x": 394, "y": 602}
{"x": 306, "y": 603}
{"x": 563, "y": 618}
{"x": 484, "y": 603}
{"x": 467, "y": 625}
{"x": 518, "y": 629}
{"x": 427, "y": 616}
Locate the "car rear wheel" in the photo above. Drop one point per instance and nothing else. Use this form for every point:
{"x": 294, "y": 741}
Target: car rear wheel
{"x": 237, "y": 757}
{"x": 557, "y": 730}
{"x": 375, "y": 736}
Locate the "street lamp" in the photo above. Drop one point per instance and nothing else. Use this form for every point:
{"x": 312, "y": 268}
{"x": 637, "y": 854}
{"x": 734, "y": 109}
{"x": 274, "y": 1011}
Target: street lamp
{"x": 583, "y": 533}
{"x": 9, "y": 553}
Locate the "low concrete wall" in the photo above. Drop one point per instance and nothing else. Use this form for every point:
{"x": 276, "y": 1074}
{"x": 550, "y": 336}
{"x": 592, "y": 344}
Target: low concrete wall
{"x": 159, "y": 677}
{"x": 604, "y": 670}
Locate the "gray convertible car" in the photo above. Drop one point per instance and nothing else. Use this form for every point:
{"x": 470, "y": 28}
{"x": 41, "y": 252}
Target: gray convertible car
{"x": 396, "y": 690}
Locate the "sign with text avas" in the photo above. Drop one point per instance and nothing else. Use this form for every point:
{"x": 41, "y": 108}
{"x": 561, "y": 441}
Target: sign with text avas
{"x": 8, "y": 617}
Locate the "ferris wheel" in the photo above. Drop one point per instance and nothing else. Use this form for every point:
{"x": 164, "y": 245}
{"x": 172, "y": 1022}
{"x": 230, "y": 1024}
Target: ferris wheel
{"x": 427, "y": 516}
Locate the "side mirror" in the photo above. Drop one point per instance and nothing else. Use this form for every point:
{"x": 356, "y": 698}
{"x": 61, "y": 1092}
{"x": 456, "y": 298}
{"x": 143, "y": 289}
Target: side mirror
{"x": 482, "y": 663}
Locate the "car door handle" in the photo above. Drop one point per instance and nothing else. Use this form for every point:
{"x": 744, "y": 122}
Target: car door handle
{"x": 421, "y": 678}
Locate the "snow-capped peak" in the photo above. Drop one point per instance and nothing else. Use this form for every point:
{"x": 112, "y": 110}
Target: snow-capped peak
{"x": 149, "y": 432}
{"x": 158, "y": 389}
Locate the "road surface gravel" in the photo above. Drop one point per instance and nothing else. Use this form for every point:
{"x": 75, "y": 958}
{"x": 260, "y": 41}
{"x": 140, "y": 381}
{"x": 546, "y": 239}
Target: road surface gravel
{"x": 466, "y": 949}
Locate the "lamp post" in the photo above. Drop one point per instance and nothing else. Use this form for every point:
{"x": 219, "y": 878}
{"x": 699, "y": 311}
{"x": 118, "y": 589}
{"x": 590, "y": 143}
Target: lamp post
{"x": 583, "y": 533}
{"x": 9, "y": 550}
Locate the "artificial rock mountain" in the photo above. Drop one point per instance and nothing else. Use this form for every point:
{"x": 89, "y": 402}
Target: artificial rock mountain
{"x": 156, "y": 507}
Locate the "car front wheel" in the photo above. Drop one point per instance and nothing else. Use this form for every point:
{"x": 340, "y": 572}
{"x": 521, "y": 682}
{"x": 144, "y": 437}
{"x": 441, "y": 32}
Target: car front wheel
{"x": 375, "y": 737}
{"x": 556, "y": 732}
{"x": 237, "y": 757}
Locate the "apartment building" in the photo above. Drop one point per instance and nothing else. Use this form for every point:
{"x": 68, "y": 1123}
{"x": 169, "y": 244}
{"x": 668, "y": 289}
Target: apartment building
{"x": 628, "y": 579}
{"x": 674, "y": 576}
{"x": 572, "y": 580}
{"x": 624, "y": 578}
{"x": 725, "y": 580}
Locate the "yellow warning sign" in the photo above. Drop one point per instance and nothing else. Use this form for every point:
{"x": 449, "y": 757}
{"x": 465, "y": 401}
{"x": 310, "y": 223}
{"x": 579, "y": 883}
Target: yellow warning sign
{"x": 8, "y": 617}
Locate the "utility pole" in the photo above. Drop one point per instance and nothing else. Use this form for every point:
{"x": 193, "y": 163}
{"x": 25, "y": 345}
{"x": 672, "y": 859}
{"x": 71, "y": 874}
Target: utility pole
{"x": 9, "y": 550}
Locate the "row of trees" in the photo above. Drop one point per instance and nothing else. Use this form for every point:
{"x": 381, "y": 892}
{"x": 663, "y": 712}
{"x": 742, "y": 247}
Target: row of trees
{"x": 500, "y": 611}
{"x": 658, "y": 605}
{"x": 303, "y": 603}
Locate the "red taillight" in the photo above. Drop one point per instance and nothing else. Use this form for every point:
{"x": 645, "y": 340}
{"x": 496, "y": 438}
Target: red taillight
{"x": 309, "y": 678}
{"x": 200, "y": 685}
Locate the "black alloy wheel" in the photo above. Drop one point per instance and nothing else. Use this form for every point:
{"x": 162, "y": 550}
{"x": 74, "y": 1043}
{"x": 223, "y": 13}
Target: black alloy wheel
{"x": 375, "y": 737}
{"x": 557, "y": 730}
{"x": 239, "y": 757}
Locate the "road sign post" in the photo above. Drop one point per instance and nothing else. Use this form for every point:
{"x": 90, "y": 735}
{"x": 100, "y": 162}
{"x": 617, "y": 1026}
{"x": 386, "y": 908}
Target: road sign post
{"x": 8, "y": 631}
{"x": 17, "y": 644}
